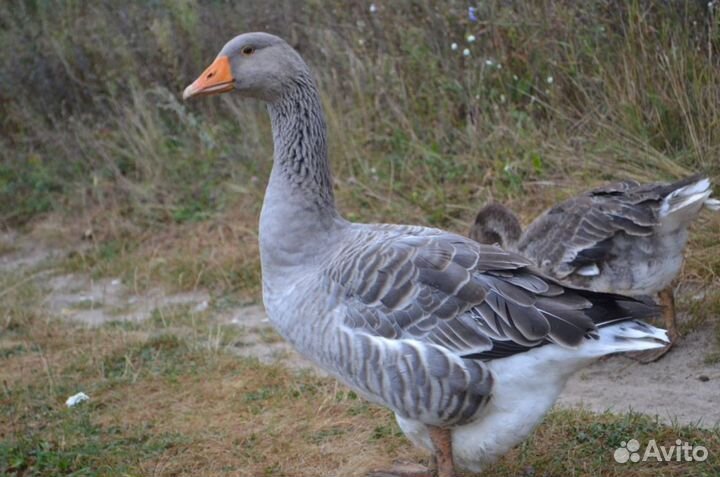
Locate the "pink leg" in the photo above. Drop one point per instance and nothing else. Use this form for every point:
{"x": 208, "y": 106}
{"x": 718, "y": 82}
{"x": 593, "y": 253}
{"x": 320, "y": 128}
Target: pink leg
{"x": 442, "y": 440}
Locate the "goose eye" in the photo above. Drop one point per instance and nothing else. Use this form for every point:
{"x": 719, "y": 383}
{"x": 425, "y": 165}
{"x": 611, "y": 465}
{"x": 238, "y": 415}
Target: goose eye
{"x": 248, "y": 50}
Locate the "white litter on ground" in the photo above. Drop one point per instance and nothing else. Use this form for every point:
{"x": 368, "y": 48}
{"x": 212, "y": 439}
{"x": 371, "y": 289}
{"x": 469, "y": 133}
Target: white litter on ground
{"x": 76, "y": 399}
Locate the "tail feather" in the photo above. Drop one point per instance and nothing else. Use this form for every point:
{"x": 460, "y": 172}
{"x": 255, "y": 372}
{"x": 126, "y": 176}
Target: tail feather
{"x": 639, "y": 330}
{"x": 688, "y": 198}
{"x": 627, "y": 336}
{"x": 609, "y": 308}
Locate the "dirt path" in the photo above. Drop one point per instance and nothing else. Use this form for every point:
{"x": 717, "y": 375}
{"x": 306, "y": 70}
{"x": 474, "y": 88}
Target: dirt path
{"x": 681, "y": 387}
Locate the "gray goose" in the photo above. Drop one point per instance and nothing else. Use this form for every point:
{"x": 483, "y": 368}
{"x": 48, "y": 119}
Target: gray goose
{"x": 625, "y": 238}
{"x": 466, "y": 343}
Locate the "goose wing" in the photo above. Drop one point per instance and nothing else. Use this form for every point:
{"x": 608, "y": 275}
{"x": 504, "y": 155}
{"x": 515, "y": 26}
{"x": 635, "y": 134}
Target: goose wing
{"x": 447, "y": 290}
{"x": 577, "y": 235}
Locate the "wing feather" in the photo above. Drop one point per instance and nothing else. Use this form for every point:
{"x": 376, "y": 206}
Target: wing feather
{"x": 442, "y": 289}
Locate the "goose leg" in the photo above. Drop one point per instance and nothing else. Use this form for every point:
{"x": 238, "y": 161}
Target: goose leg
{"x": 667, "y": 301}
{"x": 442, "y": 440}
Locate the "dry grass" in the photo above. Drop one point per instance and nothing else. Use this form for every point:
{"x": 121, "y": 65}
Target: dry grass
{"x": 418, "y": 134}
{"x": 219, "y": 254}
{"x": 247, "y": 419}
{"x": 212, "y": 412}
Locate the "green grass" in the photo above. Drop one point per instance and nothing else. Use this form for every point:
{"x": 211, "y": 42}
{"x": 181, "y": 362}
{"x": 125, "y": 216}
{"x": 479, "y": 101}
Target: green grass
{"x": 80, "y": 448}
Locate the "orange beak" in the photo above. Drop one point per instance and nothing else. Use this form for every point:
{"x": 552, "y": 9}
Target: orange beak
{"x": 216, "y": 79}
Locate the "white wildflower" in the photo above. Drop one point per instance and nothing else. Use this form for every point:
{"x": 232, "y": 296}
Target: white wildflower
{"x": 454, "y": 46}
{"x": 466, "y": 52}
{"x": 471, "y": 38}
{"x": 373, "y": 8}
{"x": 550, "y": 80}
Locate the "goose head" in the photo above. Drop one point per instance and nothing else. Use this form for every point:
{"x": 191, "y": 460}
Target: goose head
{"x": 496, "y": 224}
{"x": 256, "y": 65}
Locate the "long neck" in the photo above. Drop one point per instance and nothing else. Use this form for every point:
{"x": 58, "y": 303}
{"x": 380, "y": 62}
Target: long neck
{"x": 299, "y": 135}
{"x": 299, "y": 211}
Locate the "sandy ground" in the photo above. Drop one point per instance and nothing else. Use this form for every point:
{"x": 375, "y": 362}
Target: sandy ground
{"x": 680, "y": 387}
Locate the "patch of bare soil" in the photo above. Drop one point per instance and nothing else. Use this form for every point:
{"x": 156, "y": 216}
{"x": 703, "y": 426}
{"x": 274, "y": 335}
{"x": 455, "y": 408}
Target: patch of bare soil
{"x": 21, "y": 252}
{"x": 95, "y": 302}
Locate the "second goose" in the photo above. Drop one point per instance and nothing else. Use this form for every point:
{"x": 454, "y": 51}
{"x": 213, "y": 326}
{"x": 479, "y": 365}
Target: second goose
{"x": 625, "y": 238}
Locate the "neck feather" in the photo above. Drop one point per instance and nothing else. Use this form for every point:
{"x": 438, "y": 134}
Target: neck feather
{"x": 300, "y": 139}
{"x": 299, "y": 218}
